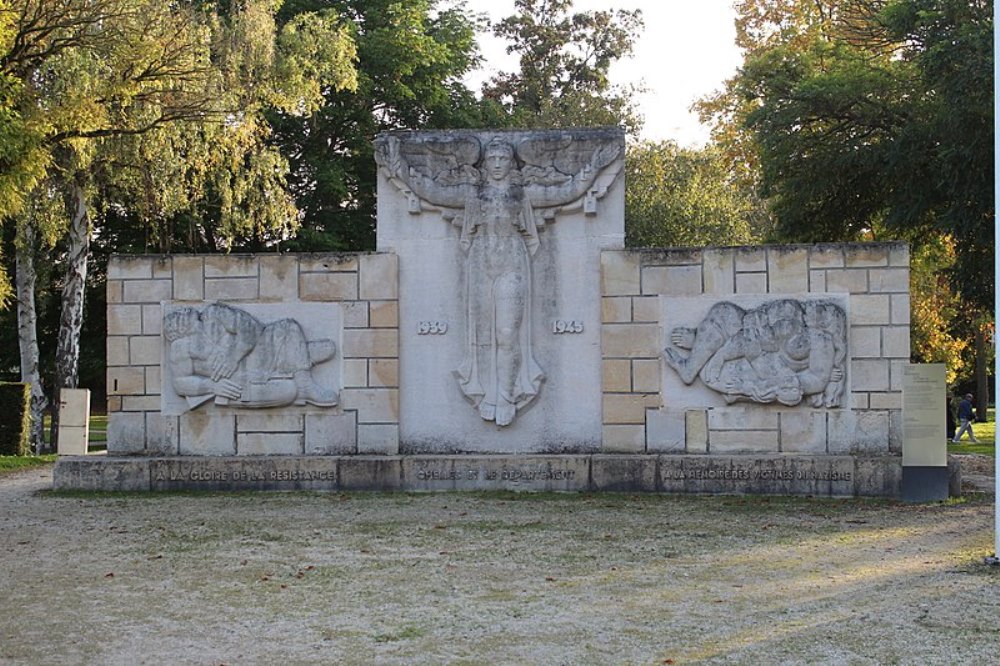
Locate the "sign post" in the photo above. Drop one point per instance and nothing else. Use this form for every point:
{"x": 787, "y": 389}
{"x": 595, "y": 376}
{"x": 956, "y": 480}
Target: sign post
{"x": 925, "y": 455}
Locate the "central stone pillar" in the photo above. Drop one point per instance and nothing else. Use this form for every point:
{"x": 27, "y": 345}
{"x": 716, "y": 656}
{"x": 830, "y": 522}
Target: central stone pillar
{"x": 499, "y": 236}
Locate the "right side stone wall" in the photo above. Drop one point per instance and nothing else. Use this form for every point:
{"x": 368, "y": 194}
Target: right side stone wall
{"x": 645, "y": 410}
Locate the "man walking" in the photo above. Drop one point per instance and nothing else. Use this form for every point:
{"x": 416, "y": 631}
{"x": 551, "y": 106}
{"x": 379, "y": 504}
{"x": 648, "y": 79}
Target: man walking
{"x": 965, "y": 419}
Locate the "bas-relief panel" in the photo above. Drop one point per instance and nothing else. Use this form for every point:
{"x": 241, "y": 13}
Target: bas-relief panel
{"x": 500, "y": 191}
{"x": 254, "y": 356}
{"x": 785, "y": 351}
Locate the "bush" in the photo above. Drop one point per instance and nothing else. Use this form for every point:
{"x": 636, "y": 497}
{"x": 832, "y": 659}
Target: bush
{"x": 15, "y": 425}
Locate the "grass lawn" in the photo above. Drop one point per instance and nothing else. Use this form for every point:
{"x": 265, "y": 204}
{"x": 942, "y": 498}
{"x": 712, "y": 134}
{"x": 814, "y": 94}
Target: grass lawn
{"x": 98, "y": 429}
{"x": 14, "y": 463}
{"x": 986, "y": 434}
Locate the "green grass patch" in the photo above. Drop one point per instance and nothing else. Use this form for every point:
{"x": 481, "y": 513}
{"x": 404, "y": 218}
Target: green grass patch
{"x": 98, "y": 433}
{"x": 14, "y": 463}
{"x": 986, "y": 433}
{"x": 98, "y": 429}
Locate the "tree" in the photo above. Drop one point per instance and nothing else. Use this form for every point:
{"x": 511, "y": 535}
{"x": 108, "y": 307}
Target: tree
{"x": 761, "y": 25}
{"x": 411, "y": 59}
{"x": 226, "y": 179}
{"x": 91, "y": 76}
{"x": 563, "y": 69}
{"x": 936, "y": 321}
{"x": 683, "y": 197}
{"x": 884, "y": 124}
{"x": 80, "y": 72}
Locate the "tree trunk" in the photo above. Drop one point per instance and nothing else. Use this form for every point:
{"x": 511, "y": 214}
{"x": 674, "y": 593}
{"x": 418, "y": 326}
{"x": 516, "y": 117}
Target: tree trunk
{"x": 74, "y": 288}
{"x": 982, "y": 381}
{"x": 27, "y": 331}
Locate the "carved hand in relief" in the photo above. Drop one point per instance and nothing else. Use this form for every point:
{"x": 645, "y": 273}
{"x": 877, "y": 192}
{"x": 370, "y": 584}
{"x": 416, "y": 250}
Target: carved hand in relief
{"x": 222, "y": 365}
{"x": 226, "y": 388}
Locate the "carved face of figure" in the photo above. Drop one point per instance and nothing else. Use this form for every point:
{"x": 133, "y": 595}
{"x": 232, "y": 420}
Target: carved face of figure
{"x": 181, "y": 323}
{"x": 499, "y": 160}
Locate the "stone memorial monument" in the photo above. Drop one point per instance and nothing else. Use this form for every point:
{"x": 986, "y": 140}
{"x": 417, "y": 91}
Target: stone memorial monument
{"x": 499, "y": 237}
{"x": 501, "y": 336}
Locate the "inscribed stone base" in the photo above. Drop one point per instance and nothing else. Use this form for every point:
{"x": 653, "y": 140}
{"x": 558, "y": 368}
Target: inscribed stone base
{"x": 827, "y": 476}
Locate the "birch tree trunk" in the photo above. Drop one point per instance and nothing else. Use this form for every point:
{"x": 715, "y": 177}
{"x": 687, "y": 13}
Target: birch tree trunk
{"x": 27, "y": 330}
{"x": 74, "y": 288}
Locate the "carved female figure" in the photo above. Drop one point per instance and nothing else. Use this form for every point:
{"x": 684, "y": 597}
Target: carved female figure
{"x": 496, "y": 203}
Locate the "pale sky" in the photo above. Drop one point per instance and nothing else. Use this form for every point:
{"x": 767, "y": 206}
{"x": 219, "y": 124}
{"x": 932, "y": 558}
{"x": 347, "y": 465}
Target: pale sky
{"x": 685, "y": 52}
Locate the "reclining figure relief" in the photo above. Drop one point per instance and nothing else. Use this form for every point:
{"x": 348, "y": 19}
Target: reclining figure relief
{"x": 500, "y": 193}
{"x": 785, "y": 351}
{"x": 224, "y": 353}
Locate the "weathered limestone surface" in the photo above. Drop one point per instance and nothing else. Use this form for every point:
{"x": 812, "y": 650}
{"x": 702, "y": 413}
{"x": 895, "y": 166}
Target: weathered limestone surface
{"x": 783, "y": 350}
{"x": 499, "y": 237}
{"x": 794, "y": 400}
{"x": 253, "y": 357}
{"x": 502, "y": 319}
{"x": 874, "y": 476}
{"x": 243, "y": 355}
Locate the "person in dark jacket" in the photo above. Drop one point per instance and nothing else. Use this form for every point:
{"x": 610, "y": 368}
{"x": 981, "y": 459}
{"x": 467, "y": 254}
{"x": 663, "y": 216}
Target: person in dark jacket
{"x": 965, "y": 419}
{"x": 950, "y": 420}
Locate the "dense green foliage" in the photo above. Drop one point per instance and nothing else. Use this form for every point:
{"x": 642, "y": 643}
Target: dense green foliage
{"x": 684, "y": 197}
{"x": 15, "y": 404}
{"x": 564, "y": 58}
{"x": 875, "y": 122}
{"x": 216, "y": 126}
{"x": 411, "y": 57}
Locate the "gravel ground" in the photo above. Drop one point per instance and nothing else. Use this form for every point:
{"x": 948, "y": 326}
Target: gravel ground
{"x": 491, "y": 579}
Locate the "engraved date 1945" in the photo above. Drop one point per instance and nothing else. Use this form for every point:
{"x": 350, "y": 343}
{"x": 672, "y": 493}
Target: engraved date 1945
{"x": 567, "y": 326}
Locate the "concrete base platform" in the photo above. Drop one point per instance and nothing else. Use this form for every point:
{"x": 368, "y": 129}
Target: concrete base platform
{"x": 826, "y": 476}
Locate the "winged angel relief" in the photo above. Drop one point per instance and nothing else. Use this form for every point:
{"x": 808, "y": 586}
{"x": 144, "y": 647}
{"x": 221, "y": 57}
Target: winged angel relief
{"x": 500, "y": 195}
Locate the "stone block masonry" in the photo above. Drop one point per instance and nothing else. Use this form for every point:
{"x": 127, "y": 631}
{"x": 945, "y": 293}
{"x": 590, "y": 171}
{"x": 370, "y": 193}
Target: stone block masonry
{"x": 657, "y": 433}
{"x": 502, "y": 337}
{"x": 836, "y": 476}
{"x": 354, "y": 299}
{"x": 645, "y": 409}
{"x": 648, "y": 293}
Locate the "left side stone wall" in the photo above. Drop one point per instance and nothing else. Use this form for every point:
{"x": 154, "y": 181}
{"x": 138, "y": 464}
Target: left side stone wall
{"x": 363, "y": 286}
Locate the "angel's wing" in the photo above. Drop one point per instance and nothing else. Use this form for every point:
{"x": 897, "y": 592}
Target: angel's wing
{"x": 448, "y": 161}
{"x": 430, "y": 170}
{"x": 568, "y": 172}
{"x": 560, "y": 153}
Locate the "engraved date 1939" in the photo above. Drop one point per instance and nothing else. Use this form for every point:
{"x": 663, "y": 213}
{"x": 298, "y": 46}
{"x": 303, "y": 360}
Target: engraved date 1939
{"x": 432, "y": 327}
